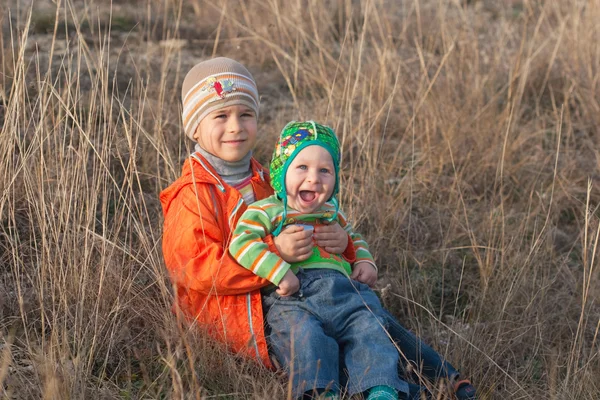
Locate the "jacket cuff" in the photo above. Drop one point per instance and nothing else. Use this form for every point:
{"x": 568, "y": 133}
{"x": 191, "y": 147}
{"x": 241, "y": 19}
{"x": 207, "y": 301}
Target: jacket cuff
{"x": 350, "y": 253}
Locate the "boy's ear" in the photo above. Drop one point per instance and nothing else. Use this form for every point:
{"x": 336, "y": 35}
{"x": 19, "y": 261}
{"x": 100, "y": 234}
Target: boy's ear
{"x": 196, "y": 133}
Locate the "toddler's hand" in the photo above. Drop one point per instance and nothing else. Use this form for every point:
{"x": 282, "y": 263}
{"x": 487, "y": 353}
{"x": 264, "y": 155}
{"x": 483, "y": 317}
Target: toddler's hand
{"x": 294, "y": 243}
{"x": 333, "y": 238}
{"x": 288, "y": 285}
{"x": 364, "y": 272}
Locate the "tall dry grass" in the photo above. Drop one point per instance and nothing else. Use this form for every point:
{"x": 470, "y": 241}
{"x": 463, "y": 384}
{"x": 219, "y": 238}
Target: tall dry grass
{"x": 471, "y": 164}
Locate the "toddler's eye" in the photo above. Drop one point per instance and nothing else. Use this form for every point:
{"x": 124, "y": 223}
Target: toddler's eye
{"x": 302, "y": 167}
{"x": 325, "y": 171}
{"x": 220, "y": 116}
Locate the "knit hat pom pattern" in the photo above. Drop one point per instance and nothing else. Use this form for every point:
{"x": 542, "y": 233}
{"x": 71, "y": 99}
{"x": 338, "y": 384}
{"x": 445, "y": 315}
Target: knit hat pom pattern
{"x": 214, "y": 84}
{"x": 294, "y": 137}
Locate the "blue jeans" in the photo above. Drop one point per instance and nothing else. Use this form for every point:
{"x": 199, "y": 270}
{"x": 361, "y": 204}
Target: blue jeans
{"x": 332, "y": 321}
{"x": 414, "y": 351}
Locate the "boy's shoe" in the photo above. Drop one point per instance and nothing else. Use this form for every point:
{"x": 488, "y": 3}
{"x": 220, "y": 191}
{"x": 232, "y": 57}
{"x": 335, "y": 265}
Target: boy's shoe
{"x": 464, "y": 390}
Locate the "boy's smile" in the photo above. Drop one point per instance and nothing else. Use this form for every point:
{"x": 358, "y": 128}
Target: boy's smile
{"x": 310, "y": 179}
{"x": 228, "y": 133}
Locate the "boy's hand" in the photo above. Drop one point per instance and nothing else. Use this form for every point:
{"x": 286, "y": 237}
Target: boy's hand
{"x": 288, "y": 285}
{"x": 294, "y": 243}
{"x": 364, "y": 272}
{"x": 333, "y": 238}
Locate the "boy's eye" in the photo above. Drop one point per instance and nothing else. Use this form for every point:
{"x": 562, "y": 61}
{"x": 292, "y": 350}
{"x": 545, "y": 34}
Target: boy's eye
{"x": 247, "y": 114}
{"x": 325, "y": 170}
{"x": 221, "y": 116}
{"x": 302, "y": 167}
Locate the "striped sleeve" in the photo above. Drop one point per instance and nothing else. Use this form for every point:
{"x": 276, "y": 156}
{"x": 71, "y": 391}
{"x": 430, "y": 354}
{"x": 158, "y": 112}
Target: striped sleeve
{"x": 249, "y": 249}
{"x": 361, "y": 247}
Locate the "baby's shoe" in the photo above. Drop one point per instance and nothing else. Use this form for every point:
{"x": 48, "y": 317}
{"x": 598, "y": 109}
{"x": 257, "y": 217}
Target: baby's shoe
{"x": 382, "y": 392}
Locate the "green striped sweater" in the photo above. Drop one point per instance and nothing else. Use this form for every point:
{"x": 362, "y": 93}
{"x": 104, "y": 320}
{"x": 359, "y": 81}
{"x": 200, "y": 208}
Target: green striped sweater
{"x": 262, "y": 217}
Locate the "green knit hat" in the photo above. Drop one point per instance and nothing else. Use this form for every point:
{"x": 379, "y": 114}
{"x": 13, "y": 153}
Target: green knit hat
{"x": 294, "y": 137}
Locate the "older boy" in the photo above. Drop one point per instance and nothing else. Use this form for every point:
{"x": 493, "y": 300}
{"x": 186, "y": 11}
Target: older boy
{"x": 201, "y": 208}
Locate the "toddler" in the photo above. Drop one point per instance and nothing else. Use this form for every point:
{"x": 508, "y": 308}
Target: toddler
{"x": 322, "y": 314}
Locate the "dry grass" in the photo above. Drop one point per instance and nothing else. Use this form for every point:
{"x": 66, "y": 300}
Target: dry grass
{"x": 471, "y": 163}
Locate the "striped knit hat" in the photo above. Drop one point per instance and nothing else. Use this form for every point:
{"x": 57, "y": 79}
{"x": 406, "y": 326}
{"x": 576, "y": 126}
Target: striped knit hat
{"x": 294, "y": 137}
{"x": 214, "y": 84}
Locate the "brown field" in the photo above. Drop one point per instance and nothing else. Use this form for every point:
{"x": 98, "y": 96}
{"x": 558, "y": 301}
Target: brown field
{"x": 471, "y": 163}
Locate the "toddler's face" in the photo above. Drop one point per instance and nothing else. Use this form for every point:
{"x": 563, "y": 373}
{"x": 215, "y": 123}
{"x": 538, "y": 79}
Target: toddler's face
{"x": 310, "y": 179}
{"x": 228, "y": 133}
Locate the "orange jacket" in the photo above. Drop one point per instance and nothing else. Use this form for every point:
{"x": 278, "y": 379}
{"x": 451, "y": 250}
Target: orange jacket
{"x": 201, "y": 213}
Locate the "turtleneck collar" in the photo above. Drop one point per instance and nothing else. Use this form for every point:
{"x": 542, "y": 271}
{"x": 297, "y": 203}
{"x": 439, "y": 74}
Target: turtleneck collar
{"x": 230, "y": 172}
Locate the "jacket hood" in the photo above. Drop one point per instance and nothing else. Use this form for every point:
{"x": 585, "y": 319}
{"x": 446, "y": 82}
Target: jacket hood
{"x": 197, "y": 169}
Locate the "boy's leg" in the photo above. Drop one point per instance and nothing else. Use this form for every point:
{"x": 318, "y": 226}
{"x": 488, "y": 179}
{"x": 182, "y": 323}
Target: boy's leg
{"x": 301, "y": 347}
{"x": 417, "y": 392}
{"x": 416, "y": 351}
{"x": 427, "y": 360}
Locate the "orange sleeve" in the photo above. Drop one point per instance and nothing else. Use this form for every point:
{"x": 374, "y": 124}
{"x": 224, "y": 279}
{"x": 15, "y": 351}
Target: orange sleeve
{"x": 194, "y": 251}
{"x": 350, "y": 253}
{"x": 270, "y": 241}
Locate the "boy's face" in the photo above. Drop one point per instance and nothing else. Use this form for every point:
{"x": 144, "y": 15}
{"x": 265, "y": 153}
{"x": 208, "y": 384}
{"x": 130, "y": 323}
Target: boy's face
{"x": 310, "y": 179}
{"x": 228, "y": 133}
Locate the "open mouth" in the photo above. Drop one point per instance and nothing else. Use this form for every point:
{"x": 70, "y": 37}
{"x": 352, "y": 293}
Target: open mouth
{"x": 307, "y": 195}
